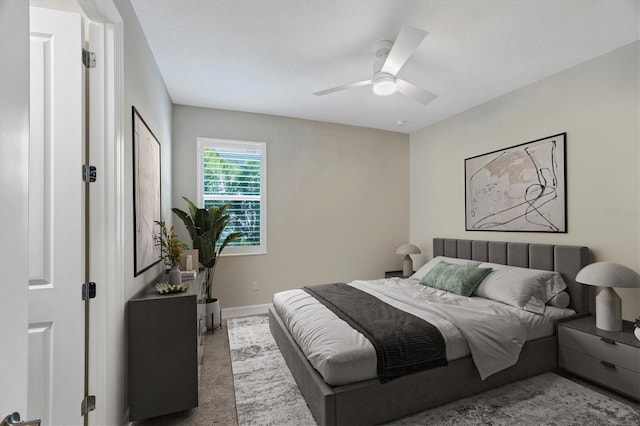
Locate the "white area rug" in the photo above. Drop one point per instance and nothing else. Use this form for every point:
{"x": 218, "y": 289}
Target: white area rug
{"x": 266, "y": 393}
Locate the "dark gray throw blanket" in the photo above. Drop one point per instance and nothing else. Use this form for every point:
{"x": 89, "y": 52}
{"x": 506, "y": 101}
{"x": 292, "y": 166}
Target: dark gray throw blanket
{"x": 404, "y": 343}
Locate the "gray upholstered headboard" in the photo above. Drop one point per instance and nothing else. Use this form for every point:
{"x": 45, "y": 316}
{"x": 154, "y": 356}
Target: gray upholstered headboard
{"x": 567, "y": 260}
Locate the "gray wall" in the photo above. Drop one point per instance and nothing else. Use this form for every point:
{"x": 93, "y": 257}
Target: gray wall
{"x": 337, "y": 200}
{"x": 597, "y": 104}
{"x": 144, "y": 88}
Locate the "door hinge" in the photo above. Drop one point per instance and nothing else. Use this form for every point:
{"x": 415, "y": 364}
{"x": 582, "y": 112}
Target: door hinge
{"x": 88, "y": 58}
{"x": 88, "y": 404}
{"x": 89, "y": 173}
{"x": 88, "y": 290}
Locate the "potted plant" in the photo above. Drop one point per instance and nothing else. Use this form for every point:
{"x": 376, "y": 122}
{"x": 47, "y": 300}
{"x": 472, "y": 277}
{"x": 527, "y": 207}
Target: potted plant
{"x": 205, "y": 227}
{"x": 636, "y": 328}
{"x": 170, "y": 250}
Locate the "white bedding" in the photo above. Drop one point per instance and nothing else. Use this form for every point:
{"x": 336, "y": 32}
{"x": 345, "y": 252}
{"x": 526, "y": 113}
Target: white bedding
{"x": 492, "y": 332}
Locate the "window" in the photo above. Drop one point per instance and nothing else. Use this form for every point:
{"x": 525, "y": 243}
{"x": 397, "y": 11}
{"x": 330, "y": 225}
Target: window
{"x": 235, "y": 172}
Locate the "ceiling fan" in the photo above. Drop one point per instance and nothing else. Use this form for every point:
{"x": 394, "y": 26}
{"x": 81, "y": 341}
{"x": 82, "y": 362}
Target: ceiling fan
{"x": 392, "y": 56}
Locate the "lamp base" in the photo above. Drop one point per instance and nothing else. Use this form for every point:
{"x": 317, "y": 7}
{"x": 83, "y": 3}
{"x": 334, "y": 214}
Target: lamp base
{"x": 407, "y": 266}
{"x": 608, "y": 310}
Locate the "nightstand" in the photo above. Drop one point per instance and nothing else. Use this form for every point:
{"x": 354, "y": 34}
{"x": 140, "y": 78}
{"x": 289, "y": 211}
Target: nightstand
{"x": 394, "y": 274}
{"x": 611, "y": 359}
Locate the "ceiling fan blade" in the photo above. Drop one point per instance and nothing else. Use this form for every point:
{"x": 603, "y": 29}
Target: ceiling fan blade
{"x": 343, "y": 87}
{"x": 406, "y": 43}
{"x": 418, "y": 93}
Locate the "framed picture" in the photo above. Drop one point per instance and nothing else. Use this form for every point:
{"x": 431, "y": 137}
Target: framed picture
{"x": 146, "y": 194}
{"x": 519, "y": 189}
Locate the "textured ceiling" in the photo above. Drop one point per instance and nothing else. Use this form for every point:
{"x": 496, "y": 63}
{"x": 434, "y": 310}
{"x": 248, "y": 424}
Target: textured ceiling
{"x": 269, "y": 56}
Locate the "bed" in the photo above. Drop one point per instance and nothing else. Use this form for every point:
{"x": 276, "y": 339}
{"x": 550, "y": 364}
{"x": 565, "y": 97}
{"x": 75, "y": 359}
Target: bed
{"x": 372, "y": 402}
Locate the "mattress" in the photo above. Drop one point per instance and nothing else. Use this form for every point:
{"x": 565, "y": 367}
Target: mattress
{"x": 491, "y": 332}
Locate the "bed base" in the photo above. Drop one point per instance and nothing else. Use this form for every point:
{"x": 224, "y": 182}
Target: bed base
{"x": 370, "y": 402}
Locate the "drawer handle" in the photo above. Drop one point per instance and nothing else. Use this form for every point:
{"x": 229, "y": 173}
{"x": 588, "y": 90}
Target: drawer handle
{"x": 607, "y": 364}
{"x": 607, "y": 340}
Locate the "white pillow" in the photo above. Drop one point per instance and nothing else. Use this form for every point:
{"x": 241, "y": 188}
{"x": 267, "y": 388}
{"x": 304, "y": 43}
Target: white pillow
{"x": 433, "y": 262}
{"x": 560, "y": 300}
{"x": 524, "y": 288}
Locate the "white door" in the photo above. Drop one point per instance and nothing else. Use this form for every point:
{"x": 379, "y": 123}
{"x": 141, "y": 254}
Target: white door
{"x": 56, "y": 205}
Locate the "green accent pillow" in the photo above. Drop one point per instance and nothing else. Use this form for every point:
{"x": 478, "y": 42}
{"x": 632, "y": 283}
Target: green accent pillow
{"x": 458, "y": 279}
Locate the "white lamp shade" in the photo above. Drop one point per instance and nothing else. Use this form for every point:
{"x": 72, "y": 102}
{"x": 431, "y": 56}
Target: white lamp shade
{"x": 608, "y": 274}
{"x": 608, "y": 303}
{"x": 407, "y": 248}
{"x": 407, "y": 263}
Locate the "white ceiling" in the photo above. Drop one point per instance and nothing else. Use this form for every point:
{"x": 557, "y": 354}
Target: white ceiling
{"x": 269, "y": 56}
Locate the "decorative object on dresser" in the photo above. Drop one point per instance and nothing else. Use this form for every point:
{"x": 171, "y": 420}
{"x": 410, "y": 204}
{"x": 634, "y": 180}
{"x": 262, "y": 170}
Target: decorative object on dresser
{"x": 146, "y": 194}
{"x": 170, "y": 250}
{"x": 206, "y": 227}
{"x": 189, "y": 262}
{"x": 407, "y": 263}
{"x": 611, "y": 359}
{"x": 518, "y": 189}
{"x": 608, "y": 303}
{"x": 164, "y": 288}
{"x": 165, "y": 342}
{"x": 636, "y": 328}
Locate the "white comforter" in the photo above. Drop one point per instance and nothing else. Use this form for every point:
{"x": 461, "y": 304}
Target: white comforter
{"x": 493, "y": 333}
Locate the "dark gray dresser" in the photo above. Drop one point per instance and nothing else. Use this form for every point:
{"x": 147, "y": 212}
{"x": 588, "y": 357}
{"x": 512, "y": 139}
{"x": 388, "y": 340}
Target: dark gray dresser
{"x": 165, "y": 347}
{"x": 611, "y": 359}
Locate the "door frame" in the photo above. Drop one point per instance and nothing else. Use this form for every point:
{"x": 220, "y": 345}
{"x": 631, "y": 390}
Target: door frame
{"x": 107, "y": 365}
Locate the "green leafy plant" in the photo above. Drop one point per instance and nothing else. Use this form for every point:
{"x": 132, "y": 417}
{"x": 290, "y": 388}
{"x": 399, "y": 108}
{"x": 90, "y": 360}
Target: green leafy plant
{"x": 205, "y": 227}
{"x": 636, "y": 323}
{"x": 170, "y": 245}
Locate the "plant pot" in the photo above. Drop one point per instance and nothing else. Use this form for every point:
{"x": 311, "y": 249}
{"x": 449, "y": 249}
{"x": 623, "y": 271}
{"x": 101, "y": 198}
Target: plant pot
{"x": 174, "y": 275}
{"x": 636, "y": 332}
{"x": 213, "y": 314}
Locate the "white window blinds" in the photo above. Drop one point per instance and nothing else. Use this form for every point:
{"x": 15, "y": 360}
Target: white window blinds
{"x": 234, "y": 173}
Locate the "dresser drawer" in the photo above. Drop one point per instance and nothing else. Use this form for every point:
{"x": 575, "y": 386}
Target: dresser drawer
{"x": 614, "y": 377}
{"x": 616, "y": 353}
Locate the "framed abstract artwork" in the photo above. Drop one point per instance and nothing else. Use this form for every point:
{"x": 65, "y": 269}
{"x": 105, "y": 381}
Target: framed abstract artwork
{"x": 518, "y": 189}
{"x": 146, "y": 194}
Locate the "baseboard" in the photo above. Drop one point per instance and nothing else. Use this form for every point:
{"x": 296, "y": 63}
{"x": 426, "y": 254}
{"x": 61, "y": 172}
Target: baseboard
{"x": 243, "y": 311}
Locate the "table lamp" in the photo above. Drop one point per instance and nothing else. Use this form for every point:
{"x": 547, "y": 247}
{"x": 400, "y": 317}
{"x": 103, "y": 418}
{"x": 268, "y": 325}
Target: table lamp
{"x": 608, "y": 303}
{"x": 407, "y": 264}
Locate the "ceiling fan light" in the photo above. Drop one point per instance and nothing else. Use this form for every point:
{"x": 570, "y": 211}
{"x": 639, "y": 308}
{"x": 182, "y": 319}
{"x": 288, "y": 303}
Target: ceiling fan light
{"x": 384, "y": 85}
